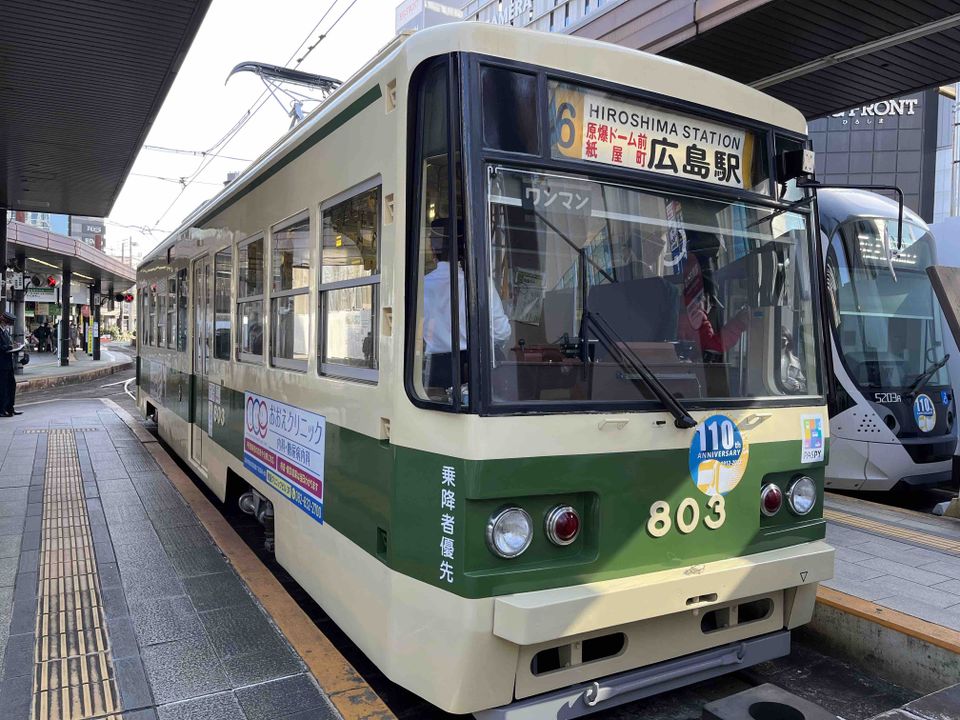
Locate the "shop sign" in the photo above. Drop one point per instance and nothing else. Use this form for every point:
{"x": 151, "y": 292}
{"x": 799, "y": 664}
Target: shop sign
{"x": 602, "y": 129}
{"x": 40, "y": 294}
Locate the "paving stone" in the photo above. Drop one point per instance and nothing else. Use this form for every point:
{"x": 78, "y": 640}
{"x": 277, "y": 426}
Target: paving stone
{"x": 907, "y": 572}
{"x": 159, "y": 620}
{"x": 18, "y": 657}
{"x": 32, "y": 524}
{"x": 950, "y": 586}
{"x": 114, "y": 602}
{"x": 280, "y": 698}
{"x": 221, "y": 706}
{"x": 895, "y": 586}
{"x": 109, "y": 575}
{"x": 132, "y": 682}
{"x": 183, "y": 669}
{"x": 13, "y": 508}
{"x": 270, "y": 661}
{"x": 216, "y": 590}
{"x": 30, "y": 541}
{"x": 10, "y": 525}
{"x": 25, "y": 589}
{"x": 23, "y": 618}
{"x": 143, "y": 714}
{"x": 852, "y": 571}
{"x": 902, "y": 552}
{"x": 34, "y": 509}
{"x": 122, "y": 637}
{"x": 151, "y": 583}
{"x": 198, "y": 561}
{"x": 9, "y": 546}
{"x": 8, "y": 571}
{"x": 864, "y": 590}
{"x": 30, "y": 561}
{"x": 949, "y": 566}
{"x": 237, "y": 630}
{"x": 948, "y": 617}
{"x": 16, "y": 696}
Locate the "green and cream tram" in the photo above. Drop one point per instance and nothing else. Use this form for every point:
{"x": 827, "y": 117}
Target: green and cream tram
{"x": 610, "y": 483}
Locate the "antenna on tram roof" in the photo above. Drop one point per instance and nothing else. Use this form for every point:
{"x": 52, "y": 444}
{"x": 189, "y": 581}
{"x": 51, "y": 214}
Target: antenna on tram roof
{"x": 273, "y": 76}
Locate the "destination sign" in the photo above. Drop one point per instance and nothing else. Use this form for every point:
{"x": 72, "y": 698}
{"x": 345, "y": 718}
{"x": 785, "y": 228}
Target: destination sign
{"x": 599, "y": 128}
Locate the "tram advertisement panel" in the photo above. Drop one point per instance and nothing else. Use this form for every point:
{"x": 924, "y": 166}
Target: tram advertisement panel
{"x": 283, "y": 445}
{"x": 600, "y": 128}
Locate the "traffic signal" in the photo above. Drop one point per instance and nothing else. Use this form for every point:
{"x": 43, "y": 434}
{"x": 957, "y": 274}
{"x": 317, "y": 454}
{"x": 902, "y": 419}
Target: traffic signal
{"x": 51, "y": 281}
{"x": 128, "y": 297}
{"x": 123, "y": 297}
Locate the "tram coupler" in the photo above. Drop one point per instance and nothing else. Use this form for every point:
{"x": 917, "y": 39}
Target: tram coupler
{"x": 253, "y": 503}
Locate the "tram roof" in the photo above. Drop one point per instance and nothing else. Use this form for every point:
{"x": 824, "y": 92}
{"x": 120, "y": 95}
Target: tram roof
{"x": 602, "y": 60}
{"x": 837, "y": 206}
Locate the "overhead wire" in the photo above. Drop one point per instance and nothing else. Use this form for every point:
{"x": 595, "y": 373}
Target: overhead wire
{"x": 258, "y": 103}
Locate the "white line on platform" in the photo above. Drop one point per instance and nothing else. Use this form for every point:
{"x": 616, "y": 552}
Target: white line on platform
{"x": 117, "y": 382}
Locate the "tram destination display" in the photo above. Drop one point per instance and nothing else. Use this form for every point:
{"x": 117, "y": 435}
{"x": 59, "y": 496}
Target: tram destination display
{"x": 604, "y": 129}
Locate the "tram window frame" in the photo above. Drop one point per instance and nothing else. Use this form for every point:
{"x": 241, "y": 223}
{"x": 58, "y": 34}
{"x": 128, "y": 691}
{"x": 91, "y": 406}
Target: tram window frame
{"x": 183, "y": 304}
{"x": 324, "y": 289}
{"x": 224, "y": 352}
{"x": 170, "y": 318}
{"x": 451, "y": 97}
{"x": 279, "y": 295}
{"x": 160, "y": 312}
{"x": 246, "y": 300}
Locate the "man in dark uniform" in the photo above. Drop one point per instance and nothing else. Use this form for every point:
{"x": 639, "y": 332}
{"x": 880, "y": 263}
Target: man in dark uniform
{"x": 8, "y": 361}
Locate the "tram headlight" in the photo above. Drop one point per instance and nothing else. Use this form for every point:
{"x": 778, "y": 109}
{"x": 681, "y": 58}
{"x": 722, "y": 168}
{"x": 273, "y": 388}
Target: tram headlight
{"x": 802, "y": 495}
{"x": 771, "y": 499}
{"x": 509, "y": 532}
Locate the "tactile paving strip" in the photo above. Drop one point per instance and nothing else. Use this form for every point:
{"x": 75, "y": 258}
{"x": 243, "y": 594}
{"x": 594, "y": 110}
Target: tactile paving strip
{"x": 73, "y": 673}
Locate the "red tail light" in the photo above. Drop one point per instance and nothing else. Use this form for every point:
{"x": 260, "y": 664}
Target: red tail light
{"x": 562, "y": 525}
{"x": 771, "y": 499}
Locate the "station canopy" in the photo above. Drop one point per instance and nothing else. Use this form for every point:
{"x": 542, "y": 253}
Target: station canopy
{"x": 80, "y": 86}
{"x": 821, "y": 56}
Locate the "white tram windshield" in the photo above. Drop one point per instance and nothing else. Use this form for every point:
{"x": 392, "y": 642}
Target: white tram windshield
{"x": 714, "y": 297}
{"x": 885, "y": 316}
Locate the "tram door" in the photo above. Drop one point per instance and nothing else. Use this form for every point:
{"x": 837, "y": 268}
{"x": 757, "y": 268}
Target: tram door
{"x": 202, "y": 287}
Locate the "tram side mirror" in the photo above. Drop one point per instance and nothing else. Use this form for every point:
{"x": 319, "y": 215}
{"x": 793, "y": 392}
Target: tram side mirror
{"x": 792, "y": 164}
{"x": 766, "y": 272}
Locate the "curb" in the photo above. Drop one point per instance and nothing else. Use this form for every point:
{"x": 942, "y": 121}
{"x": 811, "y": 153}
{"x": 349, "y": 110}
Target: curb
{"x": 50, "y": 381}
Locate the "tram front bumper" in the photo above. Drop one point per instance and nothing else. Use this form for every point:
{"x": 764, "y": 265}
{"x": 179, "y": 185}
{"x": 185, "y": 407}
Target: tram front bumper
{"x": 549, "y": 615}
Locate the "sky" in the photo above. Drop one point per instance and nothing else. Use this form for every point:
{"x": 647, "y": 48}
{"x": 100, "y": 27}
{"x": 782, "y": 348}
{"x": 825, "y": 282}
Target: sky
{"x": 201, "y": 109}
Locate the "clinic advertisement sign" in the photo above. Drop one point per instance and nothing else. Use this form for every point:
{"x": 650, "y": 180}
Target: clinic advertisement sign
{"x": 283, "y": 445}
{"x": 600, "y": 128}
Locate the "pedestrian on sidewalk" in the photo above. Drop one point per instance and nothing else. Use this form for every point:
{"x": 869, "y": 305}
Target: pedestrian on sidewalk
{"x": 8, "y": 363}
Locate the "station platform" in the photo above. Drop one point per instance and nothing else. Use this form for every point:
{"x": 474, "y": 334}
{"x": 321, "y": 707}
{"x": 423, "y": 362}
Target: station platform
{"x": 115, "y": 601}
{"x": 44, "y": 369}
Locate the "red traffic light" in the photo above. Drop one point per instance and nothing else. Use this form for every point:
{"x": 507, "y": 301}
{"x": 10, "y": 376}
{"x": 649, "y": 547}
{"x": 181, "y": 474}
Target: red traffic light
{"x": 128, "y": 297}
{"x": 51, "y": 281}
{"x": 123, "y": 297}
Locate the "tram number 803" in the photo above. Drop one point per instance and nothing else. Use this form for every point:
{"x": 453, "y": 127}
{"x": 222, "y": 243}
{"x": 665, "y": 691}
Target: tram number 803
{"x": 687, "y": 516}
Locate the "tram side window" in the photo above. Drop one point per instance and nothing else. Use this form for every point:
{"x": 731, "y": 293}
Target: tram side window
{"x": 223, "y": 268}
{"x": 171, "y": 319}
{"x": 289, "y": 298}
{"x": 182, "y": 310}
{"x": 149, "y": 307}
{"x": 160, "y": 312}
{"x": 431, "y": 360}
{"x": 349, "y": 285}
{"x": 250, "y": 300}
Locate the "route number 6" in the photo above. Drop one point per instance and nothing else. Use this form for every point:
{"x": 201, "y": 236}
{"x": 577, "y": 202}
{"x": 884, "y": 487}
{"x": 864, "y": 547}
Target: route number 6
{"x": 687, "y": 517}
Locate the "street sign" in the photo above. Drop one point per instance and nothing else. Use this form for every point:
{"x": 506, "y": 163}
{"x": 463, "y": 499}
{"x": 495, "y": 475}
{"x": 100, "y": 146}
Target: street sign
{"x": 18, "y": 281}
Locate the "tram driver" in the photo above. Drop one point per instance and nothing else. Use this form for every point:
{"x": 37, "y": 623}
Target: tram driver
{"x": 437, "y": 320}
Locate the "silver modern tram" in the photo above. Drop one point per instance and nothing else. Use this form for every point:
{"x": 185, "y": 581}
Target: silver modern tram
{"x": 892, "y": 407}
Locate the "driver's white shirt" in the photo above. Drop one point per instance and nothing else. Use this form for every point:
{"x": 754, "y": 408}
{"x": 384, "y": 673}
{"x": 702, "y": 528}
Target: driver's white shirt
{"x": 437, "y": 328}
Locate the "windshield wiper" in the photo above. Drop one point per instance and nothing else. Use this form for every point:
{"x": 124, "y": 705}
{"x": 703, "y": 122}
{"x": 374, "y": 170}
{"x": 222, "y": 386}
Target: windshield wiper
{"x": 926, "y": 375}
{"x": 615, "y": 345}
